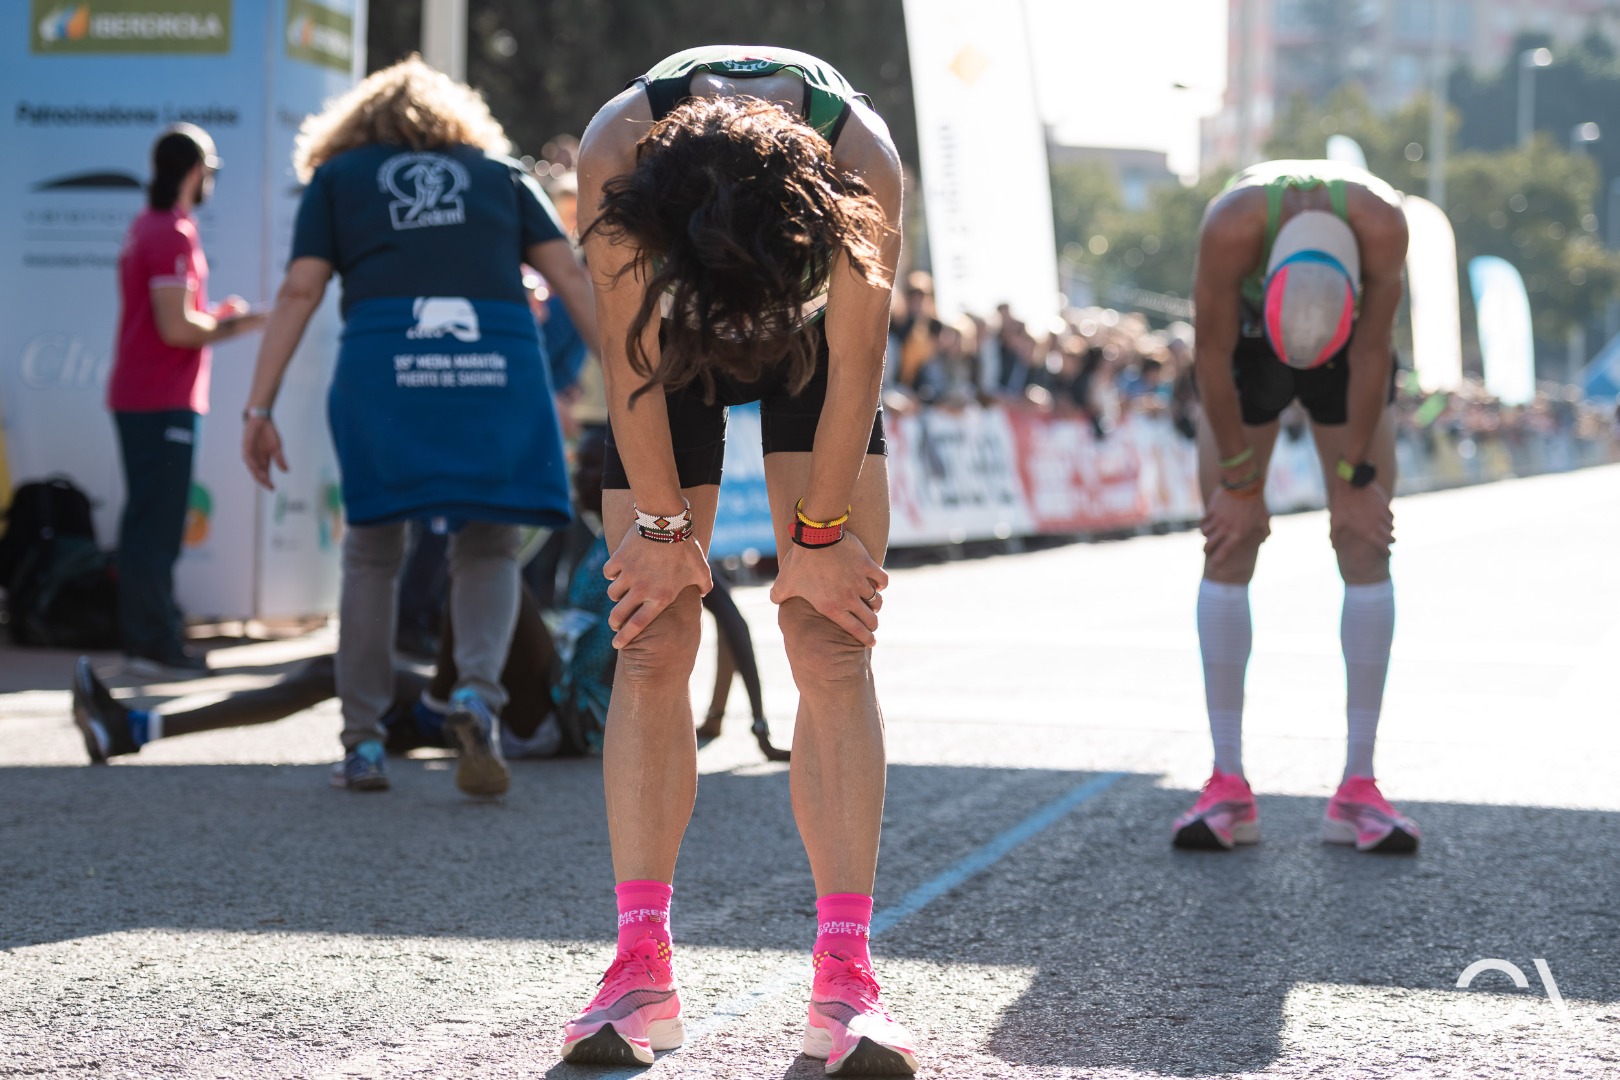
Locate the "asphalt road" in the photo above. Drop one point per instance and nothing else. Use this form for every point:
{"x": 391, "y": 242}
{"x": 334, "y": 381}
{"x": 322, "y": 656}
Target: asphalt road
{"x": 213, "y": 909}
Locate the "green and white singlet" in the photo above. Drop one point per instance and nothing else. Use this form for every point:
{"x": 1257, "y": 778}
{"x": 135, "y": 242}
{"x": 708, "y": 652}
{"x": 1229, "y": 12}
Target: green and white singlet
{"x": 828, "y": 97}
{"x": 1280, "y": 177}
{"x": 827, "y": 94}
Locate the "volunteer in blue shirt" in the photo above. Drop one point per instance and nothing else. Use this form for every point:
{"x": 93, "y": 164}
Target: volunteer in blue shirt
{"x": 440, "y": 406}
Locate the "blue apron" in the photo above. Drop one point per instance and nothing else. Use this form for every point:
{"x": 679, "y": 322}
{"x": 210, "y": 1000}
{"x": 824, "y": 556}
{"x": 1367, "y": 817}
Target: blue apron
{"x": 441, "y": 407}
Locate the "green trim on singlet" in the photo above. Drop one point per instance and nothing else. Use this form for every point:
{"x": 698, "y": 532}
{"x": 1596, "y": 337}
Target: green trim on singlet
{"x": 828, "y": 94}
{"x": 827, "y": 97}
{"x": 1254, "y": 286}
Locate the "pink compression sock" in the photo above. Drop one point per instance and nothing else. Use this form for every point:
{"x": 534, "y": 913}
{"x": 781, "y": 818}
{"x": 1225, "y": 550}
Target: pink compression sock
{"x": 643, "y": 910}
{"x": 844, "y": 925}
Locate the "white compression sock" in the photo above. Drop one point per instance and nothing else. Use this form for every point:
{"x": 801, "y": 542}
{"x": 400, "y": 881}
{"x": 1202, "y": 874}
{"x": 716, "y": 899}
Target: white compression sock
{"x": 1366, "y": 629}
{"x": 1225, "y": 635}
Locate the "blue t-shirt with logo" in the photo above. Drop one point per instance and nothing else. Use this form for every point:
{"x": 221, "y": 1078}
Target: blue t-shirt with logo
{"x": 440, "y": 405}
{"x": 397, "y": 222}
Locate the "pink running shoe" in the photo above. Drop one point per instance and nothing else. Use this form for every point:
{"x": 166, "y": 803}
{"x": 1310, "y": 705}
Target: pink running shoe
{"x": 1359, "y": 814}
{"x": 1223, "y": 816}
{"x": 850, "y": 1028}
{"x": 637, "y": 1011}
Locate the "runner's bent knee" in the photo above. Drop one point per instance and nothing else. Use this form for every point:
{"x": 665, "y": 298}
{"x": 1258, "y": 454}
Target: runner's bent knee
{"x": 819, "y": 650}
{"x": 666, "y": 650}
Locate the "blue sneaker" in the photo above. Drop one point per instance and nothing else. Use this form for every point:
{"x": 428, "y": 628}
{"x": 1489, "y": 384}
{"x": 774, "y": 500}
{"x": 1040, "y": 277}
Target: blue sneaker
{"x": 362, "y": 768}
{"x": 471, "y": 729}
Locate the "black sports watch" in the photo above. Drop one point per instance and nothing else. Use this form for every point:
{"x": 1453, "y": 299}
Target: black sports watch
{"x": 1357, "y": 476}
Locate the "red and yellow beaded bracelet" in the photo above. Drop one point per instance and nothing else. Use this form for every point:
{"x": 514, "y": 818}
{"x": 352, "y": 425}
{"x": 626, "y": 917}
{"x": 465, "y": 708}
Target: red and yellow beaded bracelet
{"x": 816, "y": 534}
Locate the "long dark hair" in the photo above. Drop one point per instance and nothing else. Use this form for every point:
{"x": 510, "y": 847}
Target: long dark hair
{"x": 177, "y": 151}
{"x": 739, "y": 215}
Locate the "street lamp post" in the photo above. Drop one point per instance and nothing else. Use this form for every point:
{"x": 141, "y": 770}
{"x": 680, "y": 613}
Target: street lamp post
{"x": 444, "y": 36}
{"x": 1437, "y": 108}
{"x": 1529, "y": 60}
{"x": 1581, "y": 138}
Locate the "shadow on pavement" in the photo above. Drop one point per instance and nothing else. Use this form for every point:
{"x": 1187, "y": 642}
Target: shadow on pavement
{"x": 1178, "y": 963}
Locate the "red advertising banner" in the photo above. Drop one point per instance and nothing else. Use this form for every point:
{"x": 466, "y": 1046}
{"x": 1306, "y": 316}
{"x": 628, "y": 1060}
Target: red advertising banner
{"x": 1075, "y": 482}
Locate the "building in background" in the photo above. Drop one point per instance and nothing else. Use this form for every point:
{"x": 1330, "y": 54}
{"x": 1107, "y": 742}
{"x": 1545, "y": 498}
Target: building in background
{"x": 1136, "y": 172}
{"x": 1279, "y": 48}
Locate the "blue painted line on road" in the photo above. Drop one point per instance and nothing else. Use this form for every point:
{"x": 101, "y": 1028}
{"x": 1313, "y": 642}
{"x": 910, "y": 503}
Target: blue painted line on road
{"x": 795, "y": 974}
{"x": 992, "y": 852}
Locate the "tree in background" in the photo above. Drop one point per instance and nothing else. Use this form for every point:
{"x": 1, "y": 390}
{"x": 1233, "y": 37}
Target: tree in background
{"x": 1086, "y": 203}
{"x": 547, "y": 67}
{"x": 1120, "y": 251}
{"x": 1582, "y": 86}
{"x": 1533, "y": 207}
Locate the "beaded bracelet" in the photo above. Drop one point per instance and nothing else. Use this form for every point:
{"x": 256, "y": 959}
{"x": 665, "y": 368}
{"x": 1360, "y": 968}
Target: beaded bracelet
{"x": 816, "y": 534}
{"x": 666, "y": 530}
{"x": 1246, "y": 486}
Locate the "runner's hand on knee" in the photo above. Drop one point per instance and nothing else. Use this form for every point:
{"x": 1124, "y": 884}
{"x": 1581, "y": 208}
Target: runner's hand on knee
{"x": 1362, "y": 514}
{"x": 1231, "y": 522}
{"x": 842, "y": 582}
{"x": 645, "y": 578}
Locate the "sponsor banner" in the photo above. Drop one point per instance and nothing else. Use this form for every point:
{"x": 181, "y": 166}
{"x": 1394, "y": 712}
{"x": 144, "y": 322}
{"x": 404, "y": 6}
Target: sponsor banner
{"x": 1169, "y": 471}
{"x": 1076, "y": 482}
{"x": 1601, "y": 378}
{"x": 1431, "y": 275}
{"x": 1506, "y": 343}
{"x": 954, "y": 476}
{"x": 1294, "y": 480}
{"x": 81, "y": 27}
{"x": 300, "y": 527}
{"x": 1344, "y": 149}
{"x": 742, "y": 523}
{"x": 987, "y": 195}
{"x": 79, "y": 138}
{"x": 997, "y": 473}
{"x": 318, "y": 34}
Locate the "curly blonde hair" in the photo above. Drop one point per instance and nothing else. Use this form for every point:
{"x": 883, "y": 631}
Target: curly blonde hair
{"x": 409, "y": 104}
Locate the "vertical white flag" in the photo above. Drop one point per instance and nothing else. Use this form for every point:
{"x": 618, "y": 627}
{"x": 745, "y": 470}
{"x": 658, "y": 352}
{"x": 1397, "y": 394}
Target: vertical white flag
{"x": 1345, "y": 150}
{"x": 986, "y": 188}
{"x": 1431, "y": 274}
{"x": 1506, "y": 342}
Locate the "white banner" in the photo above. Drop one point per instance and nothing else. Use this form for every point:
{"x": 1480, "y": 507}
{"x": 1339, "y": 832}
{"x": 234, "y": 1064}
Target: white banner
{"x": 1431, "y": 274}
{"x": 987, "y": 193}
{"x": 1346, "y": 151}
{"x": 1506, "y": 342}
{"x": 84, "y": 105}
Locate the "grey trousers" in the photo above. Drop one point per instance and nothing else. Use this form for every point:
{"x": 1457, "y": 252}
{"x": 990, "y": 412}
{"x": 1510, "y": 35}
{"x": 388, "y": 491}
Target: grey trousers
{"x": 483, "y": 611}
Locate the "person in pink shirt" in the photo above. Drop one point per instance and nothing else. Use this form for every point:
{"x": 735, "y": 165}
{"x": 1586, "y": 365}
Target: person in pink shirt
{"x": 158, "y": 391}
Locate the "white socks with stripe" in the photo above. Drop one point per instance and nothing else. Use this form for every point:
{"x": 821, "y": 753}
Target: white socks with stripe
{"x": 1225, "y": 636}
{"x": 1366, "y": 630}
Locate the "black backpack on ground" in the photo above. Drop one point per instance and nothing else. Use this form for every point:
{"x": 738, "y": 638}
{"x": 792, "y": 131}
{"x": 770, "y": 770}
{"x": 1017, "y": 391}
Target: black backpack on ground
{"x": 61, "y": 588}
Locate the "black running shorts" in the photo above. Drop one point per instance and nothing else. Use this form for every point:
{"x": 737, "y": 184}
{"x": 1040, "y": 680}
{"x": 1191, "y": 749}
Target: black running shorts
{"x": 1266, "y": 385}
{"x": 698, "y": 428}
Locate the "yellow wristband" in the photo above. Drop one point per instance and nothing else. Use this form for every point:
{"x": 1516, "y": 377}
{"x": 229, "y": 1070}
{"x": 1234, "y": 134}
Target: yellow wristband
{"x": 798, "y": 511}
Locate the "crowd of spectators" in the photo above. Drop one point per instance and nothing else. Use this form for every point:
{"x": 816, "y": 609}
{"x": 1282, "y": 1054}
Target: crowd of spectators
{"x": 1104, "y": 365}
{"x": 1095, "y": 363}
